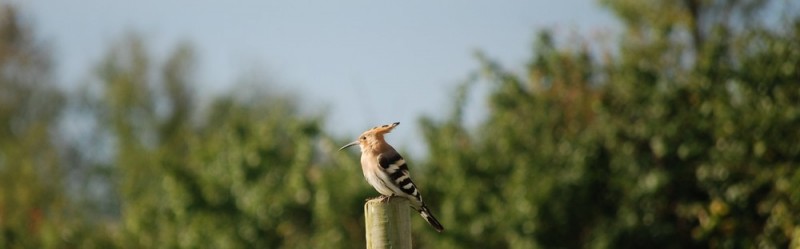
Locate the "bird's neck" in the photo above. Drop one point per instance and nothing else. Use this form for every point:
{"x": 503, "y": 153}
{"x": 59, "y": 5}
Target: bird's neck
{"x": 380, "y": 146}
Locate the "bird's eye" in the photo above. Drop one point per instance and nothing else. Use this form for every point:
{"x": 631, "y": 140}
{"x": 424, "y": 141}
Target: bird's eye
{"x": 363, "y": 137}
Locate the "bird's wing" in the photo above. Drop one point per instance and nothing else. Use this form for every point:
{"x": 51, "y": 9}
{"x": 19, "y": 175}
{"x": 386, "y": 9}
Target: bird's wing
{"x": 396, "y": 169}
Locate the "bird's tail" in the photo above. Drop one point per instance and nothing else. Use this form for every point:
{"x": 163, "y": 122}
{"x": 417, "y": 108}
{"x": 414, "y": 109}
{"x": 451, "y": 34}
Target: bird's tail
{"x": 428, "y": 216}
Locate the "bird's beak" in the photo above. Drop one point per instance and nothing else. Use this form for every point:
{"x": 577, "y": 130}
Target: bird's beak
{"x": 348, "y": 145}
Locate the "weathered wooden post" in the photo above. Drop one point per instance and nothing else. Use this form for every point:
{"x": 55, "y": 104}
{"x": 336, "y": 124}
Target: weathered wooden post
{"x": 388, "y": 224}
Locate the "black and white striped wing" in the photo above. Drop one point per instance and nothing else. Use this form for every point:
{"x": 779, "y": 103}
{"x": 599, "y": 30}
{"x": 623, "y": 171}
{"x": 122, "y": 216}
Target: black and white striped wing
{"x": 395, "y": 167}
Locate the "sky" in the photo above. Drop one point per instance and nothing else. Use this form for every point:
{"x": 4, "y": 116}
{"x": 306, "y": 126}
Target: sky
{"x": 362, "y": 63}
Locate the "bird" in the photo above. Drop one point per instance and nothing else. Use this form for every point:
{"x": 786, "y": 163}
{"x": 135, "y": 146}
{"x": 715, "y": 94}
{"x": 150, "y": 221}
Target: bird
{"x": 387, "y": 171}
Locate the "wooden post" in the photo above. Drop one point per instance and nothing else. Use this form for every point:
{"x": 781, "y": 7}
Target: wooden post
{"x": 388, "y": 224}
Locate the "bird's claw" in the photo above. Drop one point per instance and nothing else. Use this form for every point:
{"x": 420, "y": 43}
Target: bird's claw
{"x": 386, "y": 198}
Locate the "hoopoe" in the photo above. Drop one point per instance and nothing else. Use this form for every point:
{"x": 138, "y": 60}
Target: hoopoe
{"x": 387, "y": 171}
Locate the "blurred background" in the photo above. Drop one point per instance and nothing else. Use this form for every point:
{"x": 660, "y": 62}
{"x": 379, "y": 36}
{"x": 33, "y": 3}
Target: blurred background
{"x": 577, "y": 124}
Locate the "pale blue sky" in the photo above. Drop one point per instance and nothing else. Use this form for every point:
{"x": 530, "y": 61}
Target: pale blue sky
{"x": 365, "y": 62}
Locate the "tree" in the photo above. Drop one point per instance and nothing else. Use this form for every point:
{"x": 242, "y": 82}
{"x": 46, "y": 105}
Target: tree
{"x": 29, "y": 172}
{"x": 682, "y": 138}
{"x": 245, "y": 172}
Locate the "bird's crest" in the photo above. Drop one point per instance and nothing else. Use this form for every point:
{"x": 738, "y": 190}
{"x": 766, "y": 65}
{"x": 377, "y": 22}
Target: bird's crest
{"x": 373, "y": 138}
{"x": 383, "y": 129}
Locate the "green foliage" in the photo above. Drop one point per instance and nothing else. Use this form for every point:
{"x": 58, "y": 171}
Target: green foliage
{"x": 246, "y": 173}
{"x": 667, "y": 144}
{"x": 31, "y": 199}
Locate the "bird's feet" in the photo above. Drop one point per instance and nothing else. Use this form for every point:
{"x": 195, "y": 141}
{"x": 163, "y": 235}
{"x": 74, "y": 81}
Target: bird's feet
{"x": 382, "y": 198}
{"x": 386, "y": 198}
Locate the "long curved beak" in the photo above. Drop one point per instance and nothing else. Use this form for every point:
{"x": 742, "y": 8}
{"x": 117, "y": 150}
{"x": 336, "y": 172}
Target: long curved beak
{"x": 348, "y": 145}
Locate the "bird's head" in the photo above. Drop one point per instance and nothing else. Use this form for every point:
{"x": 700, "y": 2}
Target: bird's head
{"x": 372, "y": 137}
